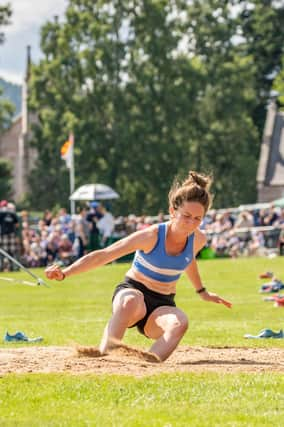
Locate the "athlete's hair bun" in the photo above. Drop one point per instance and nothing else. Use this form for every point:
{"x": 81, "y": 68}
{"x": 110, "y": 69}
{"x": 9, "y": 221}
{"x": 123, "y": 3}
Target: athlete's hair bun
{"x": 204, "y": 181}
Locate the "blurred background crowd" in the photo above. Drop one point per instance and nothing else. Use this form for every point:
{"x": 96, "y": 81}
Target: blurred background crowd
{"x": 60, "y": 237}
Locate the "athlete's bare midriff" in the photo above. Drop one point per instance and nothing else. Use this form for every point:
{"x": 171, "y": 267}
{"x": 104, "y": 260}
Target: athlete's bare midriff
{"x": 154, "y": 285}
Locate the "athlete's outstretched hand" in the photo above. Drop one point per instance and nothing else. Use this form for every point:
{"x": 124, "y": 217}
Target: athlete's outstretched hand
{"x": 54, "y": 272}
{"x": 209, "y": 296}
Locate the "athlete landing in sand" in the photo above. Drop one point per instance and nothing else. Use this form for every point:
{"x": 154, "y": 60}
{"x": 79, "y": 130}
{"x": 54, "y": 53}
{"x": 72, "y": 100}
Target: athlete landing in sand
{"x": 146, "y": 297}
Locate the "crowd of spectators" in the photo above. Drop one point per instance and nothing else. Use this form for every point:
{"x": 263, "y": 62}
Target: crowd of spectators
{"x": 236, "y": 232}
{"x": 64, "y": 238}
{"x": 52, "y": 238}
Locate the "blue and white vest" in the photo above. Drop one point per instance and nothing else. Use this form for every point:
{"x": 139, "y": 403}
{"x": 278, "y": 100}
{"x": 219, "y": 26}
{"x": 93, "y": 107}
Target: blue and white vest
{"x": 160, "y": 266}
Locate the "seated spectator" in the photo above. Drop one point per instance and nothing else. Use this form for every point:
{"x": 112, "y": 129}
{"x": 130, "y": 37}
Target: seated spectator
{"x": 220, "y": 245}
{"x": 228, "y": 221}
{"x": 119, "y": 228}
{"x": 131, "y": 224}
{"x": 54, "y": 225}
{"x": 235, "y": 245}
{"x": 33, "y": 257}
{"x": 144, "y": 222}
{"x": 256, "y": 246}
{"x": 38, "y": 252}
{"x": 270, "y": 217}
{"x": 208, "y": 220}
{"x": 63, "y": 216}
{"x": 216, "y": 226}
{"x": 244, "y": 220}
{"x": 43, "y": 244}
{"x": 65, "y": 251}
{"x": 161, "y": 217}
{"x": 280, "y": 220}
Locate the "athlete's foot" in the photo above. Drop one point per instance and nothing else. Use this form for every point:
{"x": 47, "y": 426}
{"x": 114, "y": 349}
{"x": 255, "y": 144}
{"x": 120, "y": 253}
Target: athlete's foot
{"x": 151, "y": 357}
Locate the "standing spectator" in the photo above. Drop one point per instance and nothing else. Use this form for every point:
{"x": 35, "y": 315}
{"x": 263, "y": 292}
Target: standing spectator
{"x": 71, "y": 232}
{"x": 105, "y": 226}
{"x": 47, "y": 217}
{"x": 281, "y": 241}
{"x": 52, "y": 247}
{"x": 82, "y": 232}
{"x": 9, "y": 240}
{"x": 64, "y": 219}
{"x": 92, "y": 217}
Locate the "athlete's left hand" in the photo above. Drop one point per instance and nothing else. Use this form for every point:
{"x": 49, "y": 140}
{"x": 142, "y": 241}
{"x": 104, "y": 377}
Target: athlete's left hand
{"x": 209, "y": 296}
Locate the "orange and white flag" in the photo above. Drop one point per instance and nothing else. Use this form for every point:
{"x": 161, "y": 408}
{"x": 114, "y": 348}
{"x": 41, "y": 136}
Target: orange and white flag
{"x": 67, "y": 151}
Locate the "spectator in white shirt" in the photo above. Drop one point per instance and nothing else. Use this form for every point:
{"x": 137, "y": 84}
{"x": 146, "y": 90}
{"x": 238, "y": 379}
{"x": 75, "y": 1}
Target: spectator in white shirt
{"x": 105, "y": 225}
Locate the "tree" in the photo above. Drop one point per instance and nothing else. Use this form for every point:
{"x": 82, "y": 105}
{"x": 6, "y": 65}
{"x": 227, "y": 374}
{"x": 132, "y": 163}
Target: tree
{"x": 6, "y": 108}
{"x": 127, "y": 94}
{"x": 150, "y": 90}
{"x": 6, "y": 168}
{"x": 278, "y": 85}
{"x": 227, "y": 138}
{"x": 261, "y": 26}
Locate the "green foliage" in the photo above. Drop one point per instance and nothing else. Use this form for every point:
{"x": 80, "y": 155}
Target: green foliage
{"x": 6, "y": 168}
{"x": 13, "y": 93}
{"x": 5, "y": 14}
{"x": 6, "y": 113}
{"x": 279, "y": 85}
{"x": 262, "y": 24}
{"x": 6, "y": 108}
{"x": 151, "y": 90}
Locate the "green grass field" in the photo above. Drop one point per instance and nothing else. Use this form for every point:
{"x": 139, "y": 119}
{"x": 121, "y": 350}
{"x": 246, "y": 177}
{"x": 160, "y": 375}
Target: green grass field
{"x": 77, "y": 310}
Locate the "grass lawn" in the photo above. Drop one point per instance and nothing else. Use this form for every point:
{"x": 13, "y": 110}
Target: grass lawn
{"x": 77, "y": 310}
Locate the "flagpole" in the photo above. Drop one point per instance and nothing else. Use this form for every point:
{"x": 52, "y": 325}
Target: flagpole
{"x": 72, "y": 179}
{"x": 67, "y": 154}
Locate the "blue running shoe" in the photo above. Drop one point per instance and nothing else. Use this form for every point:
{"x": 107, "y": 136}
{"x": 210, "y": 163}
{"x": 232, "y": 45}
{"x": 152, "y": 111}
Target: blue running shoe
{"x": 266, "y": 333}
{"x": 20, "y": 337}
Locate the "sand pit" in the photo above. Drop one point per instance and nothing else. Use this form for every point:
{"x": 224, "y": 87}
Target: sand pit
{"x": 53, "y": 359}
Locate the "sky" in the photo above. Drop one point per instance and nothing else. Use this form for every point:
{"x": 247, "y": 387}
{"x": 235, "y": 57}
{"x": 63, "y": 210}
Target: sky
{"x": 27, "y": 18}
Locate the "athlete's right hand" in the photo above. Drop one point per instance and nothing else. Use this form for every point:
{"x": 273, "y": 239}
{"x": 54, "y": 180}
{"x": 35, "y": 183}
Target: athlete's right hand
{"x": 54, "y": 272}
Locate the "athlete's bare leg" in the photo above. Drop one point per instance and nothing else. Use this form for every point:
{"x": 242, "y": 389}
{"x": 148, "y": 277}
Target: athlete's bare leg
{"x": 167, "y": 325}
{"x": 128, "y": 308}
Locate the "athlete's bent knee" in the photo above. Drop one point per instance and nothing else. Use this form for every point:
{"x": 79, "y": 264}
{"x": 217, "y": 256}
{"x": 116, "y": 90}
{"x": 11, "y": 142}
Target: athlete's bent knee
{"x": 179, "y": 325}
{"x": 133, "y": 304}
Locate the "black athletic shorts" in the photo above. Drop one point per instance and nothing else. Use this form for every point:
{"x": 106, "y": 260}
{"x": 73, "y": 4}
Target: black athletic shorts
{"x": 152, "y": 299}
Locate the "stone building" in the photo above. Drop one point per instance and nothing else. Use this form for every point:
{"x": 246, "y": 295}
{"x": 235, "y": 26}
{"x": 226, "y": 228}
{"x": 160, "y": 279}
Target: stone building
{"x": 270, "y": 175}
{"x": 14, "y": 143}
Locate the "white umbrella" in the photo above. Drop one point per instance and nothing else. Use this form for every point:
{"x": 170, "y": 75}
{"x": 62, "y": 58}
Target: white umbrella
{"x": 94, "y": 192}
